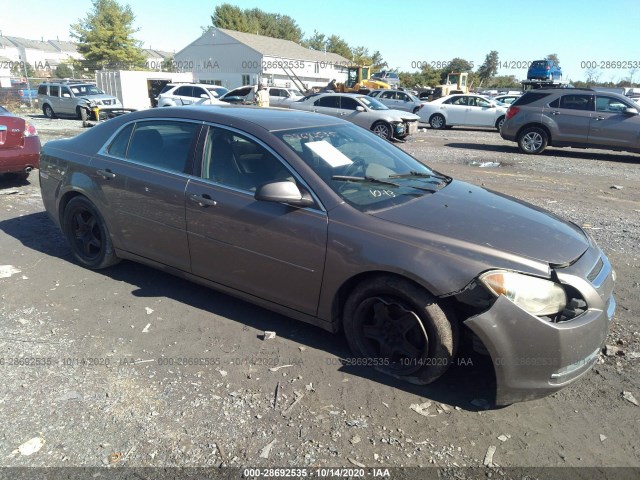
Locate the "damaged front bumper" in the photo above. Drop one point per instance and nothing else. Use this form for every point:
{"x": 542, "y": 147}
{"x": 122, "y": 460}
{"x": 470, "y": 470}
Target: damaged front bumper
{"x": 534, "y": 357}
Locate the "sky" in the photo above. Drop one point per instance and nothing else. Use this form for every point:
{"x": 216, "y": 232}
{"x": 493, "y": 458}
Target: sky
{"x": 582, "y": 32}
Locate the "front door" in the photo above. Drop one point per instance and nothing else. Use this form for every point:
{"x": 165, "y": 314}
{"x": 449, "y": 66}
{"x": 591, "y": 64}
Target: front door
{"x": 612, "y": 127}
{"x": 270, "y": 250}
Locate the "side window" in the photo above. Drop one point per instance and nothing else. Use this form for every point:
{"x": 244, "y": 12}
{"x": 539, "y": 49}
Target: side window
{"x": 118, "y": 147}
{"x": 236, "y": 161}
{"x": 387, "y": 95}
{"x": 65, "y": 92}
{"x": 348, "y": 103}
{"x": 197, "y": 92}
{"x": 184, "y": 91}
{"x": 42, "y": 90}
{"x": 576, "y": 102}
{"x": 480, "y": 102}
{"x": 610, "y": 105}
{"x": 162, "y": 143}
{"x": 457, "y": 101}
{"x": 328, "y": 101}
{"x": 54, "y": 91}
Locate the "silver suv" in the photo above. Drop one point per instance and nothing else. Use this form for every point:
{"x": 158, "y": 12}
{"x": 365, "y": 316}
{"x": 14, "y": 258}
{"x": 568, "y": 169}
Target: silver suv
{"x": 69, "y": 98}
{"x": 571, "y": 117}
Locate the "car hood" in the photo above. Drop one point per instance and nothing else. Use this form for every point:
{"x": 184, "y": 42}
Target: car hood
{"x": 399, "y": 114}
{"x": 100, "y": 96}
{"x": 475, "y": 215}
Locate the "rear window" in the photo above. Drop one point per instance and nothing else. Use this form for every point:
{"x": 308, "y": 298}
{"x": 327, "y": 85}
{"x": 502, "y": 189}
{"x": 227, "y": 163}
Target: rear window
{"x": 539, "y": 64}
{"x": 529, "y": 97}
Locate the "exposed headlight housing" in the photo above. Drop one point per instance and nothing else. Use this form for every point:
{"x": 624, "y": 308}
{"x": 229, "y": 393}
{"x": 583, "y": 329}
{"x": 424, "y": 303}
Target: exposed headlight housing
{"x": 534, "y": 295}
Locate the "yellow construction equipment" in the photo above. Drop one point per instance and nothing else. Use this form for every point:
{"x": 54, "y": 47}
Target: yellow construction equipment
{"x": 456, "y": 83}
{"x": 359, "y": 81}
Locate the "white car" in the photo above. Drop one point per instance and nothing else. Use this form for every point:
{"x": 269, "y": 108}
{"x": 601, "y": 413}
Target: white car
{"x": 364, "y": 111}
{"x": 463, "y": 110}
{"x": 278, "y": 96}
{"x": 177, "y": 94}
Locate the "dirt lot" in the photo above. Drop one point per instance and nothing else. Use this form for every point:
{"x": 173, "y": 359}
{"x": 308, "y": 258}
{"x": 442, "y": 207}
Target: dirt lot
{"x": 130, "y": 366}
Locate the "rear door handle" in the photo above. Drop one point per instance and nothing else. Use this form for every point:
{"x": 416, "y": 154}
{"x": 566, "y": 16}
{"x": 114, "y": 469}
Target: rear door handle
{"x": 555, "y": 113}
{"x": 599, "y": 118}
{"x": 203, "y": 200}
{"x": 106, "y": 174}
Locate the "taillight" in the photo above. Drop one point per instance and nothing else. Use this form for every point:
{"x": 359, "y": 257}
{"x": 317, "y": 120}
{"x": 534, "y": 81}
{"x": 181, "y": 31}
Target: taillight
{"x": 29, "y": 130}
{"x": 512, "y": 112}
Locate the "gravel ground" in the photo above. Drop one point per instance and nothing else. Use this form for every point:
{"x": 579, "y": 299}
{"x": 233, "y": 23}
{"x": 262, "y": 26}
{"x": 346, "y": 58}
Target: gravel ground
{"x": 133, "y": 367}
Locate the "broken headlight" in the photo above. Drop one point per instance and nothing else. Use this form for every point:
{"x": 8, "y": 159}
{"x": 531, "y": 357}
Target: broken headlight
{"x": 534, "y": 295}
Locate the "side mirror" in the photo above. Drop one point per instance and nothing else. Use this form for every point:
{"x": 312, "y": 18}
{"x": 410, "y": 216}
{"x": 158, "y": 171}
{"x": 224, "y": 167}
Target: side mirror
{"x": 360, "y": 108}
{"x": 631, "y": 111}
{"x": 283, "y": 192}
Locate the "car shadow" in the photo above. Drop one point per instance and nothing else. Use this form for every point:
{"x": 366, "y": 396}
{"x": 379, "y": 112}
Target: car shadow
{"x": 551, "y": 152}
{"x": 470, "y": 377}
{"x": 8, "y": 180}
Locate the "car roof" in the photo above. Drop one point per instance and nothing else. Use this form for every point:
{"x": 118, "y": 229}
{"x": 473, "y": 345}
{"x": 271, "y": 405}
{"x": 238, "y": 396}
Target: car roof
{"x": 271, "y": 119}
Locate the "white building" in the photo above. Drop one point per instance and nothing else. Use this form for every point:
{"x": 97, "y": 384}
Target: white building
{"x": 231, "y": 59}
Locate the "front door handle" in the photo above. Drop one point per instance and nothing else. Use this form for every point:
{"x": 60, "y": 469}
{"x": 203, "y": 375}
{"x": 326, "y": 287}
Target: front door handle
{"x": 555, "y": 113}
{"x": 106, "y": 174}
{"x": 599, "y": 118}
{"x": 203, "y": 200}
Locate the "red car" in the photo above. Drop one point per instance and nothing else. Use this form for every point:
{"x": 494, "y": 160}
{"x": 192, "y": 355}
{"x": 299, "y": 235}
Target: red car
{"x": 19, "y": 145}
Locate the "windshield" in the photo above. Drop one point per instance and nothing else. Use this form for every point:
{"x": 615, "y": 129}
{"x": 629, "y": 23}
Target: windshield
{"x": 80, "y": 90}
{"x": 366, "y": 171}
{"x": 372, "y": 103}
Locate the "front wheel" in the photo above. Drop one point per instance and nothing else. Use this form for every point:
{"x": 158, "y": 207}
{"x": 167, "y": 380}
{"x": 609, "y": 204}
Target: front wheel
{"x": 87, "y": 234}
{"x": 382, "y": 129}
{"x": 533, "y": 140}
{"x": 399, "y": 329}
{"x": 437, "y": 122}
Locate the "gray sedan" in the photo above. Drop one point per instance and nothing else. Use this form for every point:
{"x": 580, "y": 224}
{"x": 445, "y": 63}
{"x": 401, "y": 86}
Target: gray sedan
{"x": 398, "y": 100}
{"x": 362, "y": 110}
{"x": 321, "y": 220}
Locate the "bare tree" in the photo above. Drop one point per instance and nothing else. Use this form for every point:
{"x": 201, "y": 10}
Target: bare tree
{"x": 592, "y": 75}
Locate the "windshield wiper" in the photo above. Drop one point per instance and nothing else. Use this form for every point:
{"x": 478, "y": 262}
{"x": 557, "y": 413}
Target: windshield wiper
{"x": 413, "y": 173}
{"x": 348, "y": 178}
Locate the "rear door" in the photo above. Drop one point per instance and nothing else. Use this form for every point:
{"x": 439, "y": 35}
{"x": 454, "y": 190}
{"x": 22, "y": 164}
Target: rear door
{"x": 328, "y": 105}
{"x": 142, "y": 176}
{"x": 266, "y": 249}
{"x": 455, "y": 109}
{"x": 611, "y": 126}
{"x": 571, "y": 115}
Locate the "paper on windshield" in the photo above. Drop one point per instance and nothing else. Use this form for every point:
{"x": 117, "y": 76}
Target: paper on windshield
{"x": 329, "y": 153}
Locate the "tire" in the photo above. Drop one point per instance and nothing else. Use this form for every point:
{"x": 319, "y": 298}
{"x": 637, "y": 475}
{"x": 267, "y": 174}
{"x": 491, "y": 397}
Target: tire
{"x": 82, "y": 114}
{"x": 499, "y": 123}
{"x": 87, "y": 234}
{"x": 533, "y": 140}
{"x": 382, "y": 129}
{"x": 400, "y": 330}
{"x": 437, "y": 122}
{"x": 48, "y": 111}
{"x": 416, "y": 110}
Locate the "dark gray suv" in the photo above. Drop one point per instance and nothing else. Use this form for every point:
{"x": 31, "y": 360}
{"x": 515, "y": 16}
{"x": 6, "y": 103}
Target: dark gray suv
{"x": 581, "y": 118}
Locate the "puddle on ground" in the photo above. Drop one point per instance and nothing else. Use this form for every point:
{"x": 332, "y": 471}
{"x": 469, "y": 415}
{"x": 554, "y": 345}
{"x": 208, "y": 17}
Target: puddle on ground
{"x": 475, "y": 163}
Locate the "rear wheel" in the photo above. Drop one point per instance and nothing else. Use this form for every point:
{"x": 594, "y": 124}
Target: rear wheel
{"x": 499, "y": 123}
{"x": 533, "y": 140}
{"x": 87, "y": 234}
{"x": 48, "y": 111}
{"x": 382, "y": 129}
{"x": 437, "y": 122}
{"x": 399, "y": 329}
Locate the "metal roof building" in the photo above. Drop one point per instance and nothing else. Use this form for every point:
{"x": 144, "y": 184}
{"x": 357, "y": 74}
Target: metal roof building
{"x": 231, "y": 59}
